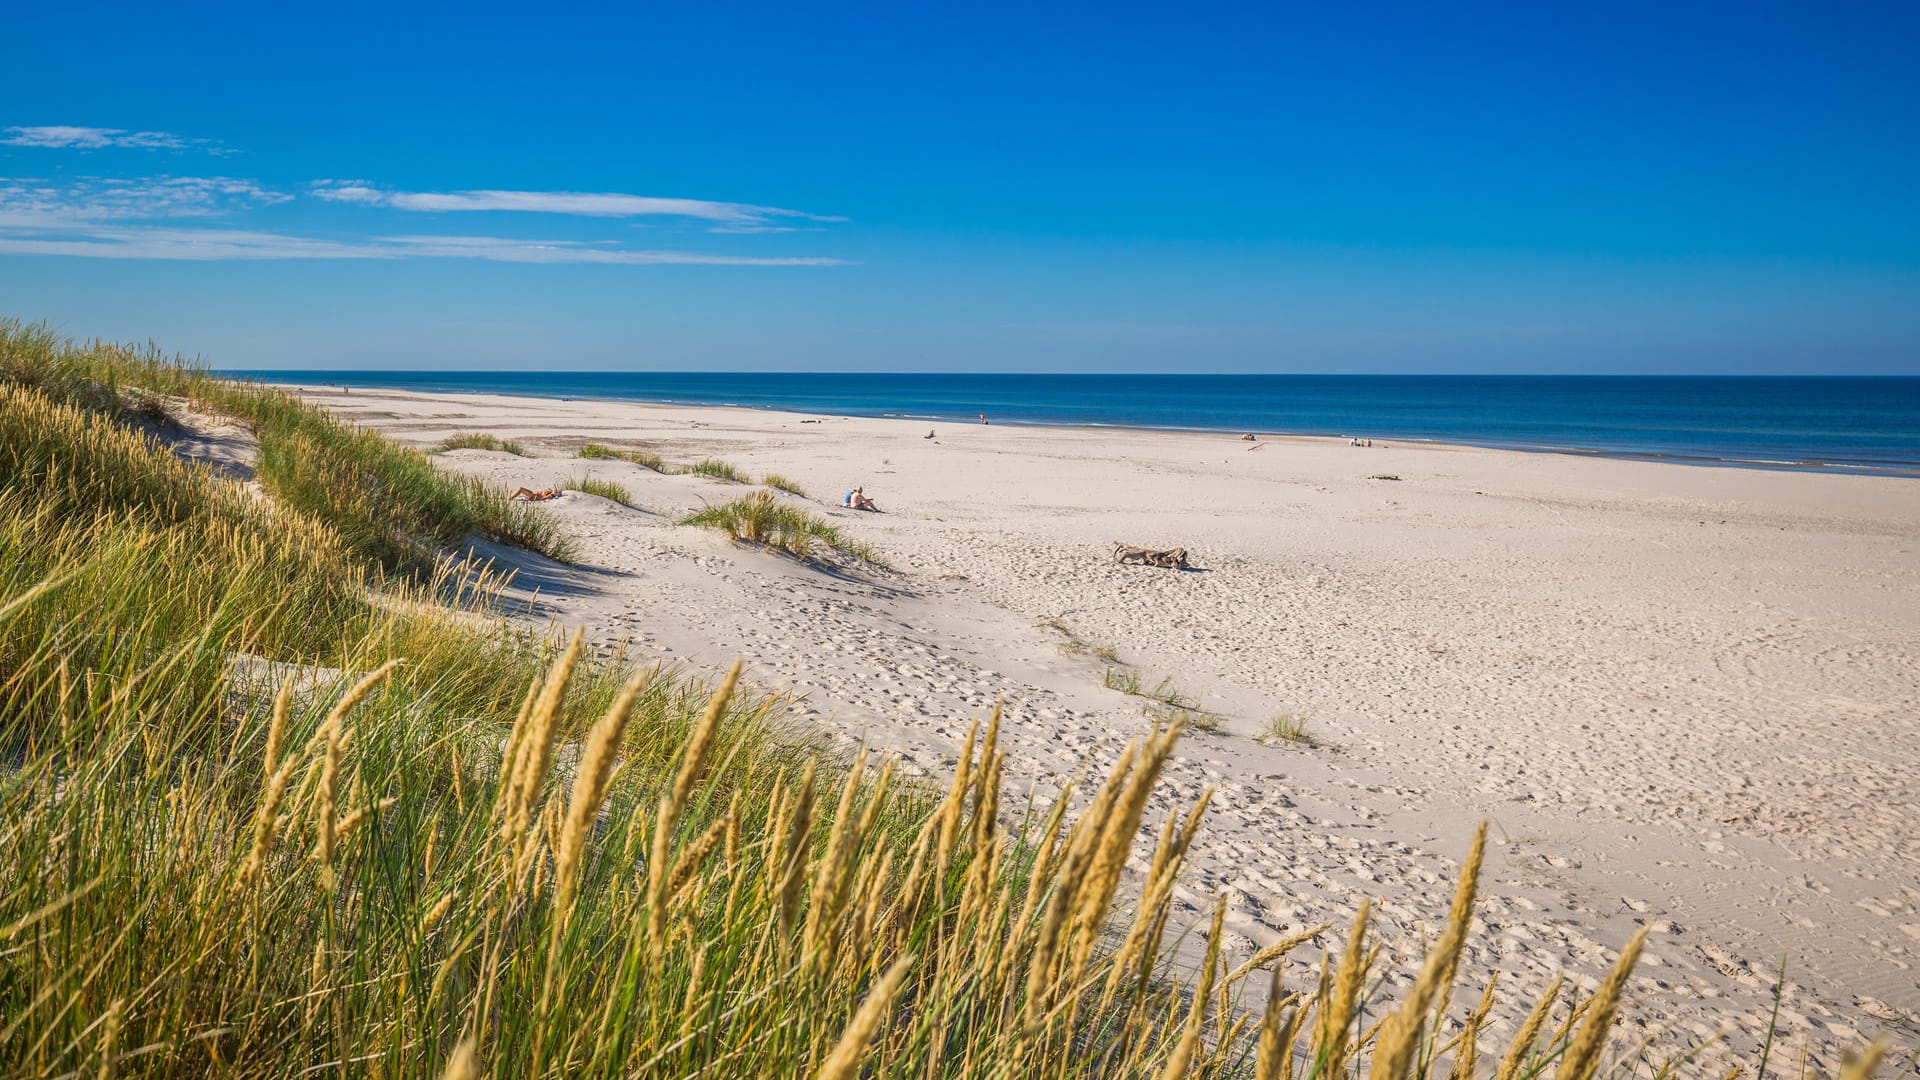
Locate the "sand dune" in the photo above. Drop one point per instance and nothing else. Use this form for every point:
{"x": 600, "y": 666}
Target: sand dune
{"x": 1685, "y": 697}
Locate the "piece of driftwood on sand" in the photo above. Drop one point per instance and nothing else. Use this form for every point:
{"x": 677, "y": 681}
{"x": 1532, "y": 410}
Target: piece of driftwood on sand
{"x": 1169, "y": 558}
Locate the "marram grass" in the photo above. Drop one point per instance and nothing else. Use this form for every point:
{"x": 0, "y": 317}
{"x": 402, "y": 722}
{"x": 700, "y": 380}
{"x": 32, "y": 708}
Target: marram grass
{"x": 644, "y": 458}
{"x": 480, "y": 440}
{"x": 268, "y": 812}
{"x": 606, "y": 489}
{"x": 386, "y": 502}
{"x": 716, "y": 469}
{"x": 759, "y": 518}
{"x": 778, "y": 482}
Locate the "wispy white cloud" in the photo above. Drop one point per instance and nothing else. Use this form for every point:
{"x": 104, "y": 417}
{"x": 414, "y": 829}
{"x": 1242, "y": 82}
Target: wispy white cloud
{"x": 151, "y": 219}
{"x": 724, "y": 216}
{"x": 68, "y": 137}
{"x": 25, "y": 202}
{"x": 201, "y": 244}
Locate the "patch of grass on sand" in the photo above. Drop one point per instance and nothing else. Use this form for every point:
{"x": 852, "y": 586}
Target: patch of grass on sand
{"x": 781, "y": 483}
{"x": 1288, "y": 727}
{"x": 761, "y": 519}
{"x": 1075, "y": 645}
{"x": 1128, "y": 681}
{"x": 1190, "y": 719}
{"x": 643, "y": 458}
{"x": 479, "y": 440}
{"x": 606, "y": 489}
{"x": 717, "y": 469}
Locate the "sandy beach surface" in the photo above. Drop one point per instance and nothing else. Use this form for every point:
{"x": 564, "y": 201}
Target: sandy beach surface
{"x": 1686, "y": 698}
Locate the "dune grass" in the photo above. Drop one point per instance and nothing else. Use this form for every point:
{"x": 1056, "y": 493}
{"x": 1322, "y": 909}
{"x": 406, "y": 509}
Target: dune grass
{"x": 606, "y": 489}
{"x": 1288, "y": 727}
{"x": 781, "y": 483}
{"x": 1128, "y": 681}
{"x": 760, "y": 519}
{"x": 387, "y": 502}
{"x": 272, "y": 811}
{"x": 479, "y": 440}
{"x": 717, "y": 469}
{"x": 642, "y": 458}
{"x": 1075, "y": 645}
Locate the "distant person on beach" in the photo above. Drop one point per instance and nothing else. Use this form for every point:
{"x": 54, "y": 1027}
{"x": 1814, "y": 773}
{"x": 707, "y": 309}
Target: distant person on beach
{"x": 983, "y": 418}
{"x": 1248, "y": 437}
{"x": 541, "y": 495}
{"x": 857, "y": 499}
{"x": 929, "y": 433}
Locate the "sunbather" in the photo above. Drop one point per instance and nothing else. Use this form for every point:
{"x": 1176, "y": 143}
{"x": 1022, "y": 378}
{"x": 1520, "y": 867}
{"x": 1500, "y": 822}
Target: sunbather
{"x": 536, "y": 496}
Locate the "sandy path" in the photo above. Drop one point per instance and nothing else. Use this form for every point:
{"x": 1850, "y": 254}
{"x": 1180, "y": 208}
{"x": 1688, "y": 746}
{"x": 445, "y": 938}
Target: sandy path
{"x": 1687, "y": 697}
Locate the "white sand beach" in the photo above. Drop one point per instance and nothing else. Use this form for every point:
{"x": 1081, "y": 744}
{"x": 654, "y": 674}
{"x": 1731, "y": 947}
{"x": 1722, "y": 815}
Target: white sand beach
{"x": 1685, "y": 697}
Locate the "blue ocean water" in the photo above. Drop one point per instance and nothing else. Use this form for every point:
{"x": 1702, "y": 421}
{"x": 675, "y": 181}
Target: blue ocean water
{"x": 1854, "y": 424}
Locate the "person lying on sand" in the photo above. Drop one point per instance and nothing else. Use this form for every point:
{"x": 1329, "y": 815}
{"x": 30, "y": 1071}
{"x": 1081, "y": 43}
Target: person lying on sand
{"x": 536, "y": 496}
{"x": 857, "y": 499}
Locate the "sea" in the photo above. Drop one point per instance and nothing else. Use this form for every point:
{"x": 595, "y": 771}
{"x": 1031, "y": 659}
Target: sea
{"x": 1860, "y": 424}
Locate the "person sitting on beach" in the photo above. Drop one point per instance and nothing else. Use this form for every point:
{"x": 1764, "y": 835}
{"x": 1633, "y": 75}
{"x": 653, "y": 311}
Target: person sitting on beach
{"x": 541, "y": 495}
{"x": 857, "y": 499}
{"x": 1248, "y": 437}
{"x": 983, "y": 418}
{"x": 929, "y": 433}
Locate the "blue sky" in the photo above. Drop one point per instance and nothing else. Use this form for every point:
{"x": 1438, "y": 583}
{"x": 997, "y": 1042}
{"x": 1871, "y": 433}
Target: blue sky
{"x": 1430, "y": 188}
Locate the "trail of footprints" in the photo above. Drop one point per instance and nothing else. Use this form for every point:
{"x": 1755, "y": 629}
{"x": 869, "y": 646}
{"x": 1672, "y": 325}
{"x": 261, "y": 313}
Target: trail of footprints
{"x": 1280, "y": 865}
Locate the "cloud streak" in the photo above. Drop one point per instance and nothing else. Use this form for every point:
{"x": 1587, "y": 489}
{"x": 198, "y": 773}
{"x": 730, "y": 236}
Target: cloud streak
{"x": 155, "y": 219}
{"x": 725, "y": 216}
{"x": 36, "y": 203}
{"x": 69, "y": 137}
{"x": 208, "y": 244}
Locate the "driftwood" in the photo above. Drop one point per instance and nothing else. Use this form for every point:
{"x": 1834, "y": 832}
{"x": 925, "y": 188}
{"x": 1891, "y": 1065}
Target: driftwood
{"x": 1169, "y": 558}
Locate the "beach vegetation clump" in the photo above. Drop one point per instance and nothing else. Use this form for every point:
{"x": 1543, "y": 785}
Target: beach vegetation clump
{"x": 1288, "y": 727}
{"x": 479, "y": 440}
{"x": 643, "y": 458}
{"x": 384, "y": 501}
{"x": 717, "y": 469}
{"x": 1190, "y": 719}
{"x": 1076, "y": 645}
{"x": 606, "y": 489}
{"x": 759, "y": 518}
{"x": 781, "y": 483}
{"x": 1128, "y": 681}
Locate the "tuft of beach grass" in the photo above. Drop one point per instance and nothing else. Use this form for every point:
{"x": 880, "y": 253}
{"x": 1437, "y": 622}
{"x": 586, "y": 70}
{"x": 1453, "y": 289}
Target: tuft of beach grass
{"x": 606, "y": 489}
{"x": 716, "y": 469}
{"x": 479, "y": 440}
{"x": 780, "y": 483}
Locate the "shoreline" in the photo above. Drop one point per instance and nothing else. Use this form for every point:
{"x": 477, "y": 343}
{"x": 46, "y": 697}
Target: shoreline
{"x": 1686, "y": 699}
{"x": 1897, "y": 469}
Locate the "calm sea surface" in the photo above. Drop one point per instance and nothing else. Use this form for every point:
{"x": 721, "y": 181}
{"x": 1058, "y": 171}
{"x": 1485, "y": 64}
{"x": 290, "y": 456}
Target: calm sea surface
{"x": 1843, "y": 424}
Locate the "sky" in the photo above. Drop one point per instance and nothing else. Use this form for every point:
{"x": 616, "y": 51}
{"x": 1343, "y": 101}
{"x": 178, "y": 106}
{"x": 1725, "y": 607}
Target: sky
{"x": 1506, "y": 188}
